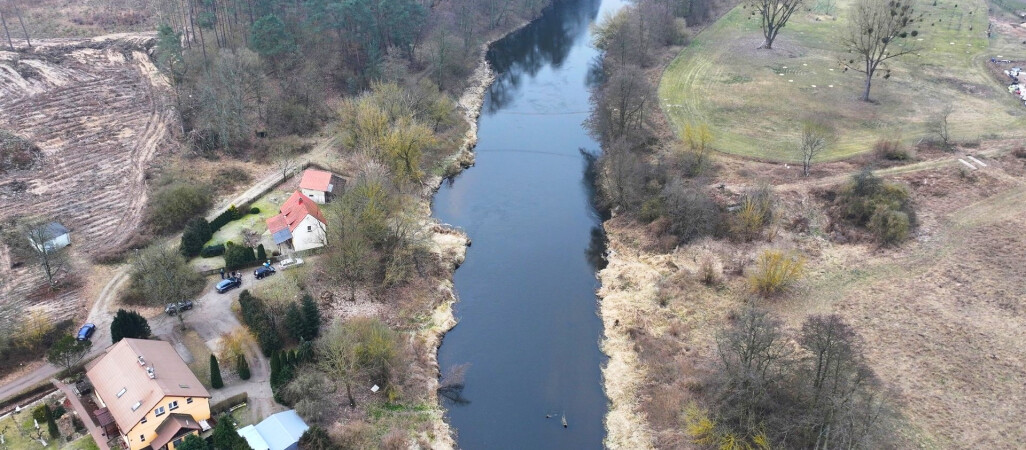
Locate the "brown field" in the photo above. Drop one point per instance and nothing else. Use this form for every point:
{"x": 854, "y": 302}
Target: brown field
{"x": 942, "y": 316}
{"x": 96, "y": 109}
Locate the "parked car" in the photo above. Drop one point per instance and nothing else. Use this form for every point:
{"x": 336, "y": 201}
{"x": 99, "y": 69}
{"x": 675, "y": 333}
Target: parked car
{"x": 83, "y": 387}
{"x": 86, "y": 331}
{"x": 228, "y": 284}
{"x": 263, "y": 271}
{"x": 290, "y": 262}
{"x": 174, "y": 308}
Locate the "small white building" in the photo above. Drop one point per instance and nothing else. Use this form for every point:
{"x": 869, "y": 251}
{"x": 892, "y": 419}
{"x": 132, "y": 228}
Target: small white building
{"x": 54, "y": 236}
{"x": 280, "y": 431}
{"x": 318, "y": 185}
{"x": 299, "y": 226}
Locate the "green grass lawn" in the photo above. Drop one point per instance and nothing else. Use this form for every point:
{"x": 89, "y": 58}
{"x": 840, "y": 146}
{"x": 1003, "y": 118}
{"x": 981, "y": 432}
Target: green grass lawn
{"x": 234, "y": 231}
{"x": 19, "y": 432}
{"x": 755, "y": 100}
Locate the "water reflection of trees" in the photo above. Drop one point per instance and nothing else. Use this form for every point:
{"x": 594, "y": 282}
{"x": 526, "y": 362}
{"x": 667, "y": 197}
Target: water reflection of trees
{"x": 546, "y": 41}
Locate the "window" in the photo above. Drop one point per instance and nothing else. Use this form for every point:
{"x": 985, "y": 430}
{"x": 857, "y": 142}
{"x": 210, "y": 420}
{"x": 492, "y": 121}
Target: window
{"x": 142, "y": 438}
{"x": 188, "y": 400}
{"x": 173, "y": 405}
{"x": 122, "y": 392}
{"x": 143, "y": 420}
{"x": 158, "y": 412}
{"x": 309, "y": 228}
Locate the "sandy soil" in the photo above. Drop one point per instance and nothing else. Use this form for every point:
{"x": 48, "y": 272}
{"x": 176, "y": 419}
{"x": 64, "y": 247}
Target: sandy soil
{"x": 96, "y": 109}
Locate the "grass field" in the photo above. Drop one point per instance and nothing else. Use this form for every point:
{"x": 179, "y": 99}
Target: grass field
{"x": 755, "y": 100}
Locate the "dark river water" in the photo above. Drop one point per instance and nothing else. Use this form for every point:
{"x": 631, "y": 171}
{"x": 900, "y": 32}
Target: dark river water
{"x": 528, "y": 324}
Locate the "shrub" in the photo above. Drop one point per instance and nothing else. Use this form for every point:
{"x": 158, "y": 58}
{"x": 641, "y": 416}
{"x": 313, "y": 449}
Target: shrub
{"x": 254, "y": 210}
{"x": 892, "y": 150}
{"x": 651, "y": 210}
{"x": 890, "y": 226}
{"x": 257, "y": 317}
{"x": 17, "y": 153}
{"x": 229, "y": 177}
{"x": 175, "y": 203}
{"x": 1019, "y": 152}
{"x": 197, "y": 233}
{"x": 215, "y": 374}
{"x": 754, "y": 213}
{"x": 212, "y": 250}
{"x": 868, "y": 201}
{"x": 776, "y": 270}
{"x": 261, "y": 254}
{"x": 691, "y": 212}
{"x": 242, "y": 367}
{"x": 236, "y": 256}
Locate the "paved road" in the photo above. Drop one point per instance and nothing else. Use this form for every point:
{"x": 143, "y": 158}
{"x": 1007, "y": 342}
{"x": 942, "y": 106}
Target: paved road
{"x": 211, "y": 318}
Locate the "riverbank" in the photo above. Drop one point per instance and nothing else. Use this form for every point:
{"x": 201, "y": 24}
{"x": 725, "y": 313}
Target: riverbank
{"x": 448, "y": 242}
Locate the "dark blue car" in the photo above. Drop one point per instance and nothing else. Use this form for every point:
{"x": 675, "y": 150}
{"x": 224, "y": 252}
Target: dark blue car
{"x": 229, "y": 284}
{"x": 86, "y": 331}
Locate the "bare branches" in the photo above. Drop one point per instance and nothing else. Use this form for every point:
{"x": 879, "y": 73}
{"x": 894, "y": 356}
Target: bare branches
{"x": 872, "y": 27}
{"x": 815, "y": 138}
{"x": 773, "y": 15}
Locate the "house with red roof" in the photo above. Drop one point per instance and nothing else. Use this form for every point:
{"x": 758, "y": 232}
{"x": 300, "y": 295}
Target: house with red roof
{"x": 300, "y": 224}
{"x": 318, "y": 185}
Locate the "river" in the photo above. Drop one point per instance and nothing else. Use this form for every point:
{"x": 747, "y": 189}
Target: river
{"x": 528, "y": 324}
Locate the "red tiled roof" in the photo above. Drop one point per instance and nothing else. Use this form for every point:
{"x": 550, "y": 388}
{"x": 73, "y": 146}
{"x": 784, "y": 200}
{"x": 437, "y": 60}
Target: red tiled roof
{"x": 297, "y": 207}
{"x": 276, "y": 223}
{"x": 317, "y": 180}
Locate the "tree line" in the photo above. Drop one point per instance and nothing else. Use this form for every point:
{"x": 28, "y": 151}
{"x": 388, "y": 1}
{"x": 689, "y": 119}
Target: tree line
{"x": 242, "y": 68}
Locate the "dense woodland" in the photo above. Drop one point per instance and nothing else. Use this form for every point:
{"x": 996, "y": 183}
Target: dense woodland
{"x": 247, "y": 67}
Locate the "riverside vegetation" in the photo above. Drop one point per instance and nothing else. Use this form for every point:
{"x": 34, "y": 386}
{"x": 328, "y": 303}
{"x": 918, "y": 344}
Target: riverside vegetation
{"x": 745, "y": 301}
{"x": 366, "y": 89}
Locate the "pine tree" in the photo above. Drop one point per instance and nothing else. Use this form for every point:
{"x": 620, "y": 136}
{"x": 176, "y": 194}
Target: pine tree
{"x": 242, "y": 367}
{"x": 261, "y": 253}
{"x": 226, "y": 437}
{"x": 215, "y": 374}
{"x": 311, "y": 318}
{"x": 129, "y": 324}
{"x": 275, "y": 367}
{"x": 295, "y": 322}
{"x": 51, "y": 425}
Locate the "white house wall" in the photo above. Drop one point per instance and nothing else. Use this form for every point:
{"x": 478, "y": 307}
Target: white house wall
{"x": 305, "y": 240}
{"x": 316, "y": 196}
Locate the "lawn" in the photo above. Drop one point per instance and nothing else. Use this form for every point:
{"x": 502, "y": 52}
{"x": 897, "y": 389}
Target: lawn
{"x": 19, "y": 432}
{"x": 755, "y": 100}
{"x": 200, "y": 364}
{"x": 236, "y": 230}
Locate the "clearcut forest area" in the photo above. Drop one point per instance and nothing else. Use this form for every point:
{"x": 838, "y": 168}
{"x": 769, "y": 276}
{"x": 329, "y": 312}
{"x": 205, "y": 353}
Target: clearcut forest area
{"x": 755, "y": 100}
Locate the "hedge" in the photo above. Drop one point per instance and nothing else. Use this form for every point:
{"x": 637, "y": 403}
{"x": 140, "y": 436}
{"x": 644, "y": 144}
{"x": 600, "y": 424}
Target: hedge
{"x": 212, "y": 250}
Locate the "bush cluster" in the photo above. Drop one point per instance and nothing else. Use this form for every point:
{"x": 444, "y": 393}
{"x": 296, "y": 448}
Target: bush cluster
{"x": 172, "y": 204}
{"x": 260, "y": 321}
{"x": 230, "y": 214}
{"x": 212, "y": 250}
{"x": 892, "y": 150}
{"x": 882, "y": 207}
{"x": 236, "y": 256}
{"x": 776, "y": 270}
{"x": 197, "y": 233}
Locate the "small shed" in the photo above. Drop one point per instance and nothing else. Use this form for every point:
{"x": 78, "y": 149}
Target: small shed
{"x": 318, "y": 185}
{"x": 53, "y": 235}
{"x": 280, "y": 431}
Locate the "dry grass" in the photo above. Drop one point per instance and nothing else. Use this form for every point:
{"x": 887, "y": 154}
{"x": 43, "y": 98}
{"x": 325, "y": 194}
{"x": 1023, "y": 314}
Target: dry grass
{"x": 941, "y": 315}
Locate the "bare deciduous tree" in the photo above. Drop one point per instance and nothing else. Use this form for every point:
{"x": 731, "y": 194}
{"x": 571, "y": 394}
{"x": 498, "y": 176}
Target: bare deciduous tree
{"x": 939, "y": 126}
{"x": 31, "y": 241}
{"x": 773, "y": 15}
{"x": 873, "y": 25}
{"x": 814, "y": 140}
{"x": 163, "y": 276}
